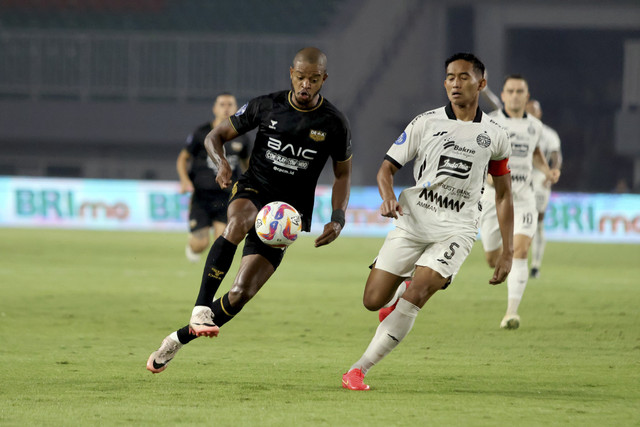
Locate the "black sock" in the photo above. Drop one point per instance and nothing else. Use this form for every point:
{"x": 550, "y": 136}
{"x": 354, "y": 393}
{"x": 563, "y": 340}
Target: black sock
{"x": 184, "y": 336}
{"x": 223, "y": 311}
{"x": 218, "y": 263}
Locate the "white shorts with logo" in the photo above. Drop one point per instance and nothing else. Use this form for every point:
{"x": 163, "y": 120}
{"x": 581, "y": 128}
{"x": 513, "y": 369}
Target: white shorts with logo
{"x": 401, "y": 253}
{"x": 525, "y": 221}
{"x": 542, "y": 192}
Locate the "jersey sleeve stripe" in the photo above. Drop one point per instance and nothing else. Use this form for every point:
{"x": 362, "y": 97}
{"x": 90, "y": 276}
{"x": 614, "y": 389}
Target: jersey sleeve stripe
{"x": 345, "y": 160}
{"x": 393, "y": 161}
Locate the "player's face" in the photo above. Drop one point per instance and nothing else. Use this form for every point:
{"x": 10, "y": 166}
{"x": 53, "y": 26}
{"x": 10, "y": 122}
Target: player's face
{"x": 306, "y": 82}
{"x": 225, "y": 106}
{"x": 462, "y": 83}
{"x": 515, "y": 95}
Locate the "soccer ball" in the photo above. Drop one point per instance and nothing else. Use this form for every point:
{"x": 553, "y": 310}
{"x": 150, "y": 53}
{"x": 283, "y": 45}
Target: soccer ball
{"x": 278, "y": 224}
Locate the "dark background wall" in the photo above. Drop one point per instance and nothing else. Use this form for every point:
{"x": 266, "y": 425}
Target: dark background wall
{"x": 111, "y": 89}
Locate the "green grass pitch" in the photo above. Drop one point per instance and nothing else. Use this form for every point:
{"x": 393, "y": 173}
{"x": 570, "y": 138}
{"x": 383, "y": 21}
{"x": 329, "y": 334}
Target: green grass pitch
{"x": 80, "y": 312}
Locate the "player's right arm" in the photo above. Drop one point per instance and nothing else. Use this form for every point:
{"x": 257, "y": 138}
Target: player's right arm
{"x": 214, "y": 144}
{"x": 186, "y": 186}
{"x": 390, "y": 207}
{"x": 504, "y": 208}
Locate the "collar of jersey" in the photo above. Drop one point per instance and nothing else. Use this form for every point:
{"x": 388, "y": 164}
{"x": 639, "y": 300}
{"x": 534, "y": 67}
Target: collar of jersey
{"x": 304, "y": 111}
{"x": 449, "y": 110}
{"x": 507, "y": 114}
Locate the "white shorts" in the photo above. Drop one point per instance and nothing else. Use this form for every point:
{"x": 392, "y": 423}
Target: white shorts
{"x": 401, "y": 253}
{"x": 525, "y": 221}
{"x": 542, "y": 192}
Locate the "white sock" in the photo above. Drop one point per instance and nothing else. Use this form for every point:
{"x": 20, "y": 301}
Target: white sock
{"x": 537, "y": 246}
{"x": 397, "y": 295}
{"x": 390, "y": 332}
{"x": 174, "y": 336}
{"x": 191, "y": 256}
{"x": 516, "y": 283}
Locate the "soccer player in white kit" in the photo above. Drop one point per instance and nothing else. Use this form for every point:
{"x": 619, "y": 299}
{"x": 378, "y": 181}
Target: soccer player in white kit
{"x": 550, "y": 146}
{"x": 524, "y": 134}
{"x": 453, "y": 148}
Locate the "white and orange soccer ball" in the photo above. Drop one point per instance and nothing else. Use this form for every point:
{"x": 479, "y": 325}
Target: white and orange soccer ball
{"x": 278, "y": 224}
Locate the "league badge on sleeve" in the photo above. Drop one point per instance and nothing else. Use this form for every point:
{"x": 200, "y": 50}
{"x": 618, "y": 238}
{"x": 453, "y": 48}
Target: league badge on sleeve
{"x": 241, "y": 110}
{"x": 401, "y": 139}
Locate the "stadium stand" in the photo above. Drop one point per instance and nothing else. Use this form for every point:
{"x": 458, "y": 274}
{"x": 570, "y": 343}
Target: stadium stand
{"x": 220, "y": 16}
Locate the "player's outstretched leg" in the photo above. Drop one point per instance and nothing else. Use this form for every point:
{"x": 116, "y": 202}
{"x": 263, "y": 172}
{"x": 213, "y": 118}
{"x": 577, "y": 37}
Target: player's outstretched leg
{"x": 516, "y": 284}
{"x": 391, "y": 305}
{"x": 388, "y": 335}
{"x": 537, "y": 250}
{"x": 159, "y": 359}
{"x": 201, "y": 323}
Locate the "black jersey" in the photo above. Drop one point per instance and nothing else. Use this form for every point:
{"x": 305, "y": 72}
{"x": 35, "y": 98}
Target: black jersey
{"x": 292, "y": 146}
{"x": 203, "y": 171}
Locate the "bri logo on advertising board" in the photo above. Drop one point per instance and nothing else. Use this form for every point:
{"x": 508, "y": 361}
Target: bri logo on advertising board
{"x": 168, "y": 206}
{"x": 62, "y": 204}
{"x": 583, "y": 217}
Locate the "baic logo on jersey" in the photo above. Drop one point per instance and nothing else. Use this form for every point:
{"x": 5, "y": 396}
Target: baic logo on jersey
{"x": 317, "y": 135}
{"x": 279, "y": 152}
{"x": 456, "y": 168}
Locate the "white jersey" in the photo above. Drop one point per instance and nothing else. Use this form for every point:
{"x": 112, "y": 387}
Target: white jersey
{"x": 549, "y": 142}
{"x": 524, "y": 135}
{"x": 450, "y": 169}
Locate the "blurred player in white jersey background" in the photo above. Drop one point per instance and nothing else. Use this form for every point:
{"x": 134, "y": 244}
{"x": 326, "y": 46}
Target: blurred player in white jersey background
{"x": 550, "y": 146}
{"x": 524, "y": 132}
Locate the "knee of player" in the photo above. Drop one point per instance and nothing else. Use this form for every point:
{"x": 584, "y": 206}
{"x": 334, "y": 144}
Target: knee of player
{"x": 199, "y": 245}
{"x": 372, "y": 302}
{"x": 237, "y": 227}
{"x": 239, "y": 296}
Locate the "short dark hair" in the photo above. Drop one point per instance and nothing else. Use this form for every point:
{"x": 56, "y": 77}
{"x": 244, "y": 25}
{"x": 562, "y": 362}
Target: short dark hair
{"x": 224, "y": 94}
{"x": 469, "y": 57}
{"x": 514, "y": 77}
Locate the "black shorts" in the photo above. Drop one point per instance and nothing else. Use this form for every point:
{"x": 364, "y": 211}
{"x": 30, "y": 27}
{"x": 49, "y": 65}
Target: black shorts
{"x": 243, "y": 189}
{"x": 207, "y": 207}
{"x": 253, "y": 245}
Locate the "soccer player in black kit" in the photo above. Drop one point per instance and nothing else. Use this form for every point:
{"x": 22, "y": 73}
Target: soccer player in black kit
{"x": 197, "y": 174}
{"x": 298, "y": 130}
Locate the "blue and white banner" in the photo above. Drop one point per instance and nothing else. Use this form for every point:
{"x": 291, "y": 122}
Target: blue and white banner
{"x": 158, "y": 205}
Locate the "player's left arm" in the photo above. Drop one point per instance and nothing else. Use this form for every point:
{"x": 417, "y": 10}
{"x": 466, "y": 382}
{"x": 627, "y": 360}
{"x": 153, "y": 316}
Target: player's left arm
{"x": 504, "y": 210}
{"x": 539, "y": 162}
{"x": 214, "y": 143}
{"x": 339, "y": 201}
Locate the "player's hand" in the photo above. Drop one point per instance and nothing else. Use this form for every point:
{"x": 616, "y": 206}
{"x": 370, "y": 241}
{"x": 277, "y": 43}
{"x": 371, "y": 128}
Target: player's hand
{"x": 223, "y": 178}
{"x": 186, "y": 187}
{"x": 503, "y": 267}
{"x": 390, "y": 208}
{"x": 331, "y": 232}
{"x": 553, "y": 176}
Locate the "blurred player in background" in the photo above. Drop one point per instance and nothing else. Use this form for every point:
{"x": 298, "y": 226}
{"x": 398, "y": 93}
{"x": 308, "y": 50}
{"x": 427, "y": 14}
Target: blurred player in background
{"x": 197, "y": 174}
{"x": 298, "y": 130}
{"x": 453, "y": 148}
{"x": 550, "y": 146}
{"x": 524, "y": 134}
